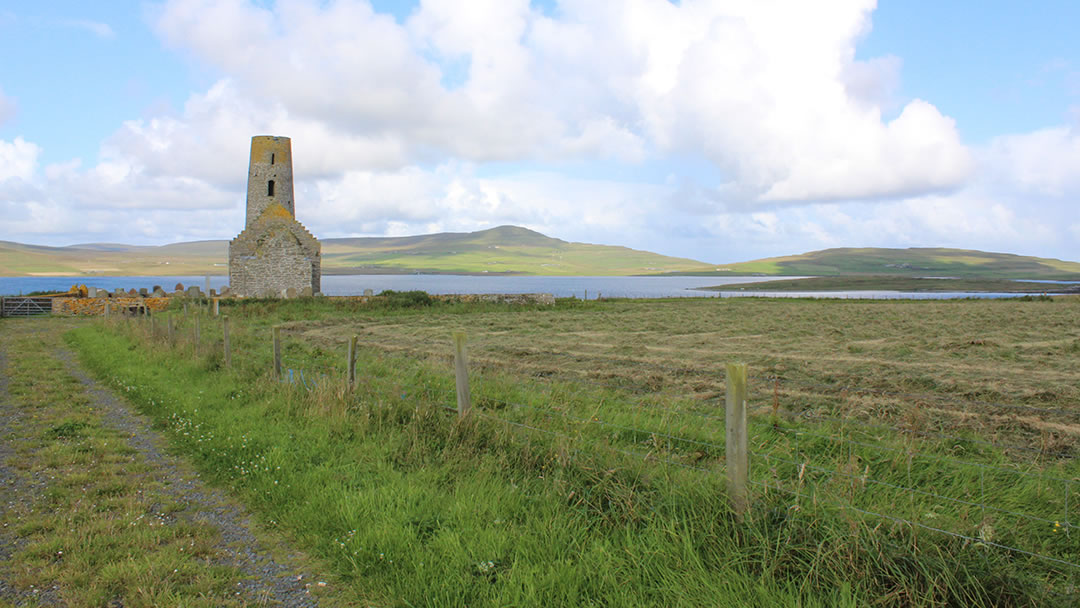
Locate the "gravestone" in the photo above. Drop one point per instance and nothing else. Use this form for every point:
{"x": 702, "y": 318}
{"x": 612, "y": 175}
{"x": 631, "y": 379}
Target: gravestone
{"x": 156, "y": 288}
{"x": 305, "y": 292}
{"x": 213, "y": 293}
{"x": 290, "y": 293}
{"x": 193, "y": 292}
{"x": 179, "y": 287}
{"x": 159, "y": 292}
{"x": 143, "y": 292}
{"x": 91, "y": 292}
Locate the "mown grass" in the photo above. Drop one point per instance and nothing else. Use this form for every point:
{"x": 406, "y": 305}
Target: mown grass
{"x": 893, "y": 283}
{"x": 563, "y": 493}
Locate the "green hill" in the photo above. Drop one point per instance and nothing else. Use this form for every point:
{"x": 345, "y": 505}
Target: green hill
{"x": 502, "y": 250}
{"x": 913, "y": 262}
{"x": 515, "y": 250}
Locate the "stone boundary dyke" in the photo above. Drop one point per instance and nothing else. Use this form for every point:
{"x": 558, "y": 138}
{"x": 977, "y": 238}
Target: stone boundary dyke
{"x": 96, "y": 306}
{"x": 500, "y": 298}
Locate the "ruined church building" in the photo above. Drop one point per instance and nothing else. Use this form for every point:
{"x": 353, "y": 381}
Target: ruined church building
{"x": 274, "y": 255}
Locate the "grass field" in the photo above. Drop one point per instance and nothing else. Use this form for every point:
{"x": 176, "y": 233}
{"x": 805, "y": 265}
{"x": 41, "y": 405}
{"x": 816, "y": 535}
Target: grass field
{"x": 592, "y": 473}
{"x": 894, "y": 283}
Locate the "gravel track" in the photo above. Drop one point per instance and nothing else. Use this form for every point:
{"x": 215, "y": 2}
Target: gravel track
{"x": 268, "y": 580}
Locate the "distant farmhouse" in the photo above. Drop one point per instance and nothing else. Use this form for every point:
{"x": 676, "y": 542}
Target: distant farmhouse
{"x": 275, "y": 255}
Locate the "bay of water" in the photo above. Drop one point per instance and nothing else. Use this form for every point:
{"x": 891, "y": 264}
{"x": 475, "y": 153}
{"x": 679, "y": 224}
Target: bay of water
{"x": 562, "y": 287}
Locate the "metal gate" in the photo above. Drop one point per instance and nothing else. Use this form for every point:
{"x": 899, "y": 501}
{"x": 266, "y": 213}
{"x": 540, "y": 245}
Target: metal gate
{"x": 24, "y": 307}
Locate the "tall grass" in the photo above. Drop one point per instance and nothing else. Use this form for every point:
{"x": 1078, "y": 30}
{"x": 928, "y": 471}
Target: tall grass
{"x": 415, "y": 507}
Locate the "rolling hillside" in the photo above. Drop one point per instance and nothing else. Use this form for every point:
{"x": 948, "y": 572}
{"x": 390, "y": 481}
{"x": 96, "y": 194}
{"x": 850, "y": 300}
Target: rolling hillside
{"x": 913, "y": 262}
{"x": 503, "y": 250}
{"x": 515, "y": 250}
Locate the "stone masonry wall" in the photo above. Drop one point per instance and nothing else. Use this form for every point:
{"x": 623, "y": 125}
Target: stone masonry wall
{"x": 277, "y": 263}
{"x": 96, "y": 306}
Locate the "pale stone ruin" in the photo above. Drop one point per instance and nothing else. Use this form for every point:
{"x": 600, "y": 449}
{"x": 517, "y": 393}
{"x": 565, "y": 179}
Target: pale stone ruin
{"x": 275, "y": 253}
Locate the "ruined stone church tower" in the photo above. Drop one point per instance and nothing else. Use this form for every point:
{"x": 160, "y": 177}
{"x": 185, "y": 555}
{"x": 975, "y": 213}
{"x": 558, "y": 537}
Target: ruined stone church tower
{"x": 274, "y": 252}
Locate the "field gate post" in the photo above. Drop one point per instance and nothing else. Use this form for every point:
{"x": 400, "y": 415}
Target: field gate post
{"x": 737, "y": 457}
{"x": 352, "y": 363}
{"x": 277, "y": 353}
{"x": 461, "y": 373}
{"x": 225, "y": 339}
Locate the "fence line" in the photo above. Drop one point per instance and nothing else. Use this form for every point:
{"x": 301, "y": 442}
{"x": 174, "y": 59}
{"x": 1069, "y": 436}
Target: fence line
{"x": 927, "y": 397}
{"x": 899, "y": 429}
{"x": 801, "y": 465}
{"x": 869, "y": 480}
{"x": 934, "y": 456}
{"x": 901, "y": 520}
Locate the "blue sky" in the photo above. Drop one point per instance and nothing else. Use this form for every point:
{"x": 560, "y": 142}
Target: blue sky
{"x": 723, "y": 131}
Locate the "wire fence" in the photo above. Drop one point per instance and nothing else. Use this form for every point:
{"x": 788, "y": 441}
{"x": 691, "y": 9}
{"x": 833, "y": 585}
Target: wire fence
{"x": 954, "y": 484}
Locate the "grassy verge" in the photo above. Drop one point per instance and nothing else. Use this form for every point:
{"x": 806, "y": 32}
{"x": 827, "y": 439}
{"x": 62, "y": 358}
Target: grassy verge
{"x": 533, "y": 502}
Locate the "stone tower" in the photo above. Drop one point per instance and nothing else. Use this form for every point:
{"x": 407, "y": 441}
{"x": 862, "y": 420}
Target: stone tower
{"x": 274, "y": 252}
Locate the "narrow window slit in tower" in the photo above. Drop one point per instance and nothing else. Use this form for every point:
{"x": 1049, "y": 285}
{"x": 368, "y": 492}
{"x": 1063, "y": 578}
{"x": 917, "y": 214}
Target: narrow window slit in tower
{"x": 271, "y": 158}
{"x": 270, "y": 188}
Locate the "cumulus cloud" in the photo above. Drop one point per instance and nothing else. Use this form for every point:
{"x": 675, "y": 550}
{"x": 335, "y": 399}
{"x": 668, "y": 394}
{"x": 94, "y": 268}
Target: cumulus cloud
{"x": 1044, "y": 162}
{"x": 774, "y": 98}
{"x": 18, "y": 159}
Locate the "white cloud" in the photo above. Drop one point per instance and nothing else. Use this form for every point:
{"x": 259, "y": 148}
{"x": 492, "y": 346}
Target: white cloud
{"x": 18, "y": 159}
{"x": 1044, "y": 162}
{"x": 101, "y": 30}
{"x": 775, "y": 98}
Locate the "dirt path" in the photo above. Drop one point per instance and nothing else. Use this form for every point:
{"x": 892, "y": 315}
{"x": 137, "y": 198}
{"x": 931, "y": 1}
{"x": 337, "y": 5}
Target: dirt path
{"x": 234, "y": 566}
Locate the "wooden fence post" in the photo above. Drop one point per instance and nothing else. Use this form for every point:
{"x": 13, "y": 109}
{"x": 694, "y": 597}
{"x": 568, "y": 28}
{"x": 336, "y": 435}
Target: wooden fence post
{"x": 225, "y": 334}
{"x": 106, "y": 310}
{"x": 185, "y": 309}
{"x": 736, "y": 448}
{"x": 216, "y": 300}
{"x": 352, "y": 363}
{"x": 196, "y": 333}
{"x": 277, "y": 353}
{"x": 461, "y": 372}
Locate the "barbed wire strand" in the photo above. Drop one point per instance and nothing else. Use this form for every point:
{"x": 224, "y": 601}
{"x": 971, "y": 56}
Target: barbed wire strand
{"x": 859, "y": 478}
{"x": 901, "y": 520}
{"x": 808, "y": 415}
{"x": 924, "y": 455}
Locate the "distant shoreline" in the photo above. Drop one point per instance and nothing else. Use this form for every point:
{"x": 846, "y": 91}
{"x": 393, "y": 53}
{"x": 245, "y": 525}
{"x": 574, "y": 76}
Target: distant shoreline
{"x": 900, "y": 284}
